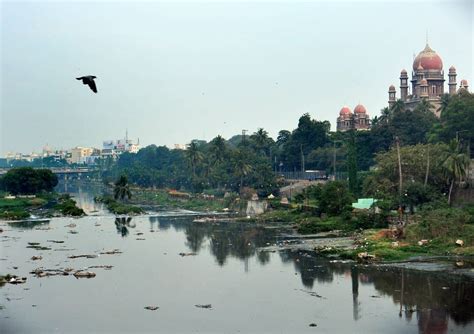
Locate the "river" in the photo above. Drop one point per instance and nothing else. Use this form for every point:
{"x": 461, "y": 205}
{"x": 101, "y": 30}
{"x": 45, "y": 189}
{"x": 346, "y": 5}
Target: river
{"x": 209, "y": 278}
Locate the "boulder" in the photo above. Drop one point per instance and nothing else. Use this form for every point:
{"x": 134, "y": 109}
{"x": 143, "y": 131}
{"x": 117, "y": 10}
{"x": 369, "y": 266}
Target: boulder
{"x": 422, "y": 242}
{"x": 460, "y": 242}
{"x": 84, "y": 274}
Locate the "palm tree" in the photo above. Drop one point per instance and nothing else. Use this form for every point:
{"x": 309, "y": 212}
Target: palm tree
{"x": 424, "y": 106}
{"x": 386, "y": 115}
{"x": 445, "y": 99}
{"x": 122, "y": 188}
{"x": 398, "y": 106}
{"x": 194, "y": 156}
{"x": 455, "y": 165}
{"x": 217, "y": 148}
{"x": 241, "y": 167}
{"x": 261, "y": 140}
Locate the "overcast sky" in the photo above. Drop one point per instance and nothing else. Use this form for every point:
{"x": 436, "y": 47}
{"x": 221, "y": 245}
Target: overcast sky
{"x": 171, "y": 72}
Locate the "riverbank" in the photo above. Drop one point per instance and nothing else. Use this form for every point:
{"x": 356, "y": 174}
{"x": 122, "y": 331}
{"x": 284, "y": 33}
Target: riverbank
{"x": 439, "y": 232}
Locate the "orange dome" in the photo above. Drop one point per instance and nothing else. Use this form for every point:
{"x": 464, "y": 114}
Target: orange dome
{"x": 428, "y": 59}
{"x": 464, "y": 83}
{"x": 345, "y": 111}
{"x": 423, "y": 82}
{"x": 360, "y": 109}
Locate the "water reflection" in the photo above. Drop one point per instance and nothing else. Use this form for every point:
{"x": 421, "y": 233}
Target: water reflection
{"x": 435, "y": 298}
{"x": 238, "y": 240}
{"x": 421, "y": 295}
{"x": 122, "y": 224}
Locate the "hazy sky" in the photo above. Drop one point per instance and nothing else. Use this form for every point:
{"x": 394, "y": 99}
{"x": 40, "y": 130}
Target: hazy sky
{"x": 170, "y": 72}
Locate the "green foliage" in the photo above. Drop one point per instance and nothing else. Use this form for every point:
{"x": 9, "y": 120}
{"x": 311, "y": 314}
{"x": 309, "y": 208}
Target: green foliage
{"x": 383, "y": 182}
{"x": 14, "y": 213}
{"x": 117, "y": 207}
{"x": 457, "y": 119}
{"x": 26, "y": 180}
{"x": 443, "y": 226}
{"x": 308, "y": 136}
{"x": 317, "y": 225}
{"x": 122, "y": 188}
{"x": 335, "y": 198}
{"x": 67, "y": 206}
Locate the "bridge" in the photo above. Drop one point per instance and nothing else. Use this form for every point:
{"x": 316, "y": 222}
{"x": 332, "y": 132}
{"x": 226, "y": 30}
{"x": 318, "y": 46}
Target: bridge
{"x": 65, "y": 173}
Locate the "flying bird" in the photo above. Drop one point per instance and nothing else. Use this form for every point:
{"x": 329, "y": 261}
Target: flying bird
{"x": 89, "y": 80}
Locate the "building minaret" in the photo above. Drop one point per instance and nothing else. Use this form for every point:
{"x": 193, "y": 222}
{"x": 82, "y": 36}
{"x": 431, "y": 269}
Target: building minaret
{"x": 424, "y": 88}
{"x": 391, "y": 95}
{"x": 452, "y": 80}
{"x": 403, "y": 85}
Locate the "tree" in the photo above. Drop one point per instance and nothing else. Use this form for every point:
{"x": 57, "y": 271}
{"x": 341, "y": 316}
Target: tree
{"x": 457, "y": 119}
{"x": 262, "y": 142}
{"x": 26, "y": 180}
{"x": 217, "y": 149}
{"x": 194, "y": 156}
{"x": 122, "y": 188}
{"x": 384, "y": 182}
{"x": 335, "y": 198}
{"x": 241, "y": 166}
{"x": 455, "y": 165}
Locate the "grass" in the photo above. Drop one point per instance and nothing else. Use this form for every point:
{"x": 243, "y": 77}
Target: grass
{"x": 162, "y": 198}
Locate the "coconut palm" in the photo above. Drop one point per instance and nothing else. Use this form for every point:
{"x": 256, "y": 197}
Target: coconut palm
{"x": 122, "y": 188}
{"x": 261, "y": 141}
{"x": 445, "y": 99}
{"x": 398, "y": 106}
{"x": 455, "y": 165}
{"x": 241, "y": 167}
{"x": 424, "y": 106}
{"x": 386, "y": 115}
{"x": 217, "y": 149}
{"x": 194, "y": 156}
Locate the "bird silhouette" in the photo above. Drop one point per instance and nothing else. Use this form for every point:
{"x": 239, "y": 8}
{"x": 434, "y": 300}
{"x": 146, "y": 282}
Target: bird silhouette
{"x": 89, "y": 80}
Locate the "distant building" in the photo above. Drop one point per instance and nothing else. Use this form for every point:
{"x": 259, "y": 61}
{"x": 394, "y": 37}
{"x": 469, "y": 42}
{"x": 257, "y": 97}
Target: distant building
{"x": 180, "y": 146}
{"x": 427, "y": 82}
{"x": 359, "y": 120}
{"x": 79, "y": 154}
{"x": 113, "y": 148}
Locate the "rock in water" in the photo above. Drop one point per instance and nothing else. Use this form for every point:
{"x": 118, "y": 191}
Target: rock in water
{"x": 84, "y": 274}
{"x": 208, "y": 306}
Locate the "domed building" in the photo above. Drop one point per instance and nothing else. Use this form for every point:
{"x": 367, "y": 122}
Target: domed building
{"x": 427, "y": 82}
{"x": 359, "y": 120}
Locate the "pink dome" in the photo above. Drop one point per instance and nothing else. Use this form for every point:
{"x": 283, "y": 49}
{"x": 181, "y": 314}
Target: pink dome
{"x": 428, "y": 59}
{"x": 345, "y": 111}
{"x": 360, "y": 109}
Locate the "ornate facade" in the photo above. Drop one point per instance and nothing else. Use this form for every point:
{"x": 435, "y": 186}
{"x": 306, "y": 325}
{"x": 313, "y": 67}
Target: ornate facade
{"x": 427, "y": 82}
{"x": 359, "y": 120}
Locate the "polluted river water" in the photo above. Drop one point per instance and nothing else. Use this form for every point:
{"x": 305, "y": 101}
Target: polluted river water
{"x": 165, "y": 273}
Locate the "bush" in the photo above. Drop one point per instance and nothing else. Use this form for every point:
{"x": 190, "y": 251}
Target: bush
{"x": 68, "y": 207}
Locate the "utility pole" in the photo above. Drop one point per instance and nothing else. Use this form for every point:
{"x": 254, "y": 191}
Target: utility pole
{"x": 334, "y": 161}
{"x": 243, "y": 135}
{"x": 397, "y": 142}
{"x": 302, "y": 158}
